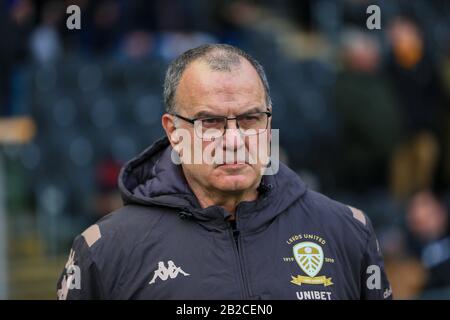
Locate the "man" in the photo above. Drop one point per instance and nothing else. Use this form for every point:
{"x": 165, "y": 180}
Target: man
{"x": 221, "y": 229}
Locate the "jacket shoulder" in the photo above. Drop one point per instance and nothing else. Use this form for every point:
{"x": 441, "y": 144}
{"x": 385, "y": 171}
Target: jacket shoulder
{"x": 111, "y": 242}
{"x": 122, "y": 227}
{"x": 118, "y": 233}
{"x": 340, "y": 215}
{"x": 130, "y": 217}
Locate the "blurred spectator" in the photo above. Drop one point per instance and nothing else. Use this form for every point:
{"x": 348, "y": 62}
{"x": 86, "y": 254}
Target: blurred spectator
{"x": 302, "y": 13}
{"x": 16, "y": 17}
{"x": 427, "y": 224}
{"x": 418, "y": 86}
{"x": 137, "y": 45}
{"x": 445, "y": 124}
{"x": 107, "y": 196}
{"x": 414, "y": 164}
{"x": 45, "y": 39}
{"x": 368, "y": 112}
{"x": 105, "y": 27}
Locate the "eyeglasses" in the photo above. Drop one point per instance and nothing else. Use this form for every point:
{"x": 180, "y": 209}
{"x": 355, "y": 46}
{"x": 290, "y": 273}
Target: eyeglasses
{"x": 210, "y": 128}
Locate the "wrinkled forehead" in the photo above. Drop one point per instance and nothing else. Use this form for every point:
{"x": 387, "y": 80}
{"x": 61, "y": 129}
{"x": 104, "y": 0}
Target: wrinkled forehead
{"x": 223, "y": 91}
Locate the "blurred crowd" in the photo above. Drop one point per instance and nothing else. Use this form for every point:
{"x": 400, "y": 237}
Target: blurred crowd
{"x": 364, "y": 115}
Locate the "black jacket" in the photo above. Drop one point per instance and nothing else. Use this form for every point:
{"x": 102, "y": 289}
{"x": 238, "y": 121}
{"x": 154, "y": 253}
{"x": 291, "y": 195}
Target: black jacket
{"x": 291, "y": 243}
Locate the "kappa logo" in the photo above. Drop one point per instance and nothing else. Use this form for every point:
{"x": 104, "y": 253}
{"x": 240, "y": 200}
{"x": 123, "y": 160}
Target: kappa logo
{"x": 164, "y": 273}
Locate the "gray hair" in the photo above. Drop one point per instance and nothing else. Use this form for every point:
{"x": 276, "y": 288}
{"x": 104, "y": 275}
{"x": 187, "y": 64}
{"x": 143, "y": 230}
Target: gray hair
{"x": 220, "y": 57}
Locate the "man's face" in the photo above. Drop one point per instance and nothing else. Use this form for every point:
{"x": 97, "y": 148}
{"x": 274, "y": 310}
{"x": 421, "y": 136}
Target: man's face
{"x": 204, "y": 92}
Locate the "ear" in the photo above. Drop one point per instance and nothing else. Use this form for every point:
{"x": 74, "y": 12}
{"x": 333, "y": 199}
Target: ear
{"x": 168, "y": 123}
{"x": 269, "y": 128}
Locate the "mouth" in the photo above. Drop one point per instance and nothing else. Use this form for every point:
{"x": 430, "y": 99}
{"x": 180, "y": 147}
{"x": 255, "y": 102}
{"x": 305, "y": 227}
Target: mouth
{"x": 232, "y": 165}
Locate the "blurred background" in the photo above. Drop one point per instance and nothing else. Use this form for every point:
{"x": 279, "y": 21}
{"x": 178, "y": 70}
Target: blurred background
{"x": 364, "y": 117}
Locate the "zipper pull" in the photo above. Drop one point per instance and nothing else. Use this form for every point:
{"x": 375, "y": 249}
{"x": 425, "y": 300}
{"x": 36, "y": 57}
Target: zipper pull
{"x": 185, "y": 214}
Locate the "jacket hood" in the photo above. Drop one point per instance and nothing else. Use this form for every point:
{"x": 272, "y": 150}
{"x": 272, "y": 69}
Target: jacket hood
{"x": 152, "y": 179}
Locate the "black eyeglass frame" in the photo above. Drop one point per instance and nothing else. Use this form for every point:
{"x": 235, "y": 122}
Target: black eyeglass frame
{"x": 192, "y": 121}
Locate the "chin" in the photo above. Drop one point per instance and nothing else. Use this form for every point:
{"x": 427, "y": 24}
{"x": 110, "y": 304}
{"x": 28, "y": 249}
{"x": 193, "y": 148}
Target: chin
{"x": 234, "y": 183}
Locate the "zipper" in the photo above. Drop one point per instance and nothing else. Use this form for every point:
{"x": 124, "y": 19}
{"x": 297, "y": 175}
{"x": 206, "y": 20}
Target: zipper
{"x": 237, "y": 247}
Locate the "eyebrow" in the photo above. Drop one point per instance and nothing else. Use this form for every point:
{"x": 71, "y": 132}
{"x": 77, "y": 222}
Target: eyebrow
{"x": 204, "y": 113}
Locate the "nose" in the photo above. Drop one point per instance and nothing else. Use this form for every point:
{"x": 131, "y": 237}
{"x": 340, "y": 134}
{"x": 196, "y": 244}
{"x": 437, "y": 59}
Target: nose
{"x": 233, "y": 140}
